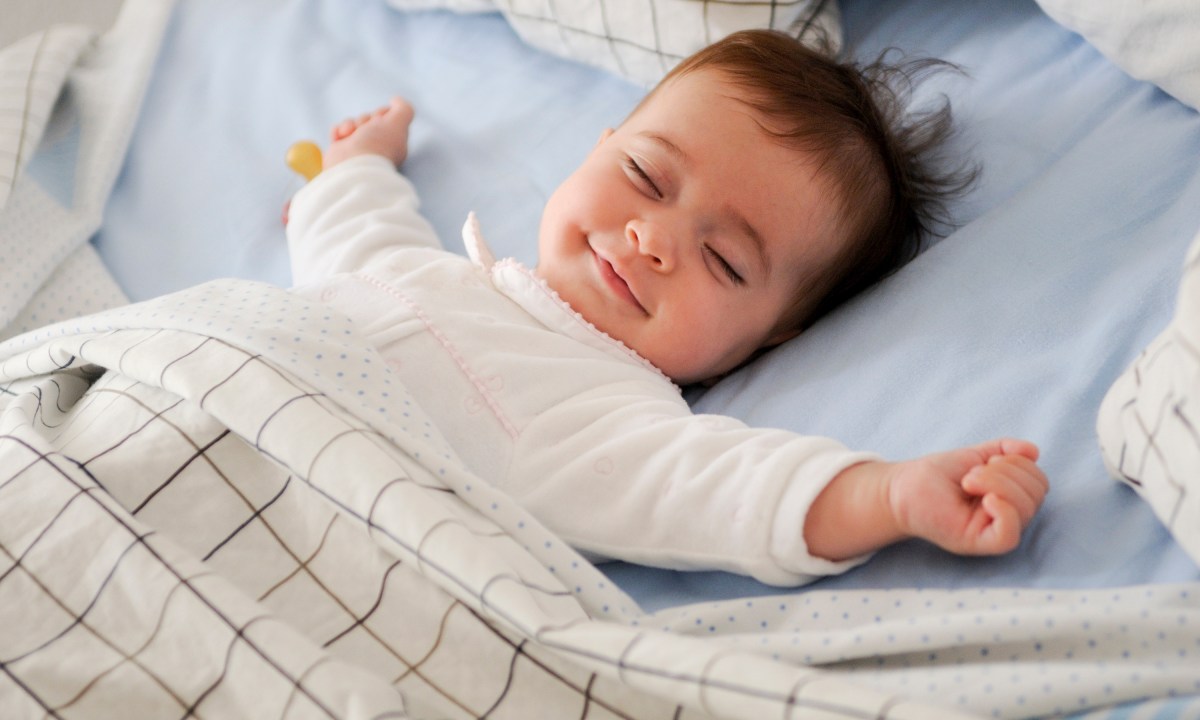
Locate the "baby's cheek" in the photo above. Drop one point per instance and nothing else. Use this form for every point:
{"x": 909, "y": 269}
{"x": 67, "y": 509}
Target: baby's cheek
{"x": 685, "y": 358}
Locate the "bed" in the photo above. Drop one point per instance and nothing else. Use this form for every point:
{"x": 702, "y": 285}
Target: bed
{"x": 196, "y": 517}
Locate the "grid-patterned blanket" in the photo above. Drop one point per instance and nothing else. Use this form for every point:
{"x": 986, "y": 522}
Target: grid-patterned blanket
{"x": 1147, "y": 423}
{"x": 641, "y": 40}
{"x": 220, "y": 502}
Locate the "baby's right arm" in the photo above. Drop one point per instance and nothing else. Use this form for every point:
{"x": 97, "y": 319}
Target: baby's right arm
{"x": 358, "y": 210}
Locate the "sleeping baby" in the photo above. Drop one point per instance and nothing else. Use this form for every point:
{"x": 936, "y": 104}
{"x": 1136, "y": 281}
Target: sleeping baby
{"x": 759, "y": 185}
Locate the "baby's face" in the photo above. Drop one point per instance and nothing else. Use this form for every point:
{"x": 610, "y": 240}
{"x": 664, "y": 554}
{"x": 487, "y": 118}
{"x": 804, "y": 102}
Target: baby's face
{"x": 685, "y": 232}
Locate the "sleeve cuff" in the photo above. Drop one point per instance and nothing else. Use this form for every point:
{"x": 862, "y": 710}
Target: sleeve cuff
{"x": 788, "y": 548}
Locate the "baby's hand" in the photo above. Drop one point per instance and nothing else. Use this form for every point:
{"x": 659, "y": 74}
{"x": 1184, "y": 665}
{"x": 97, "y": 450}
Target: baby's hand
{"x": 383, "y": 132}
{"x": 971, "y": 501}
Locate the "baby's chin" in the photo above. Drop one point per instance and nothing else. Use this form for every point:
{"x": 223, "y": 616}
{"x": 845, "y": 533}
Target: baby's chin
{"x": 685, "y": 368}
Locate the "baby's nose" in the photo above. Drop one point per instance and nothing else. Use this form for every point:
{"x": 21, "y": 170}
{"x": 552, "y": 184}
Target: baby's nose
{"x": 652, "y": 243}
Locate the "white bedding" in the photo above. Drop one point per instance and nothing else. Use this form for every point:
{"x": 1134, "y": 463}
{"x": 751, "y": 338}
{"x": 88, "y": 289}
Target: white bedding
{"x": 1153, "y": 40}
{"x": 1066, "y": 266}
{"x": 1147, "y": 424}
{"x": 53, "y": 199}
{"x": 640, "y": 40}
{"x": 191, "y": 472}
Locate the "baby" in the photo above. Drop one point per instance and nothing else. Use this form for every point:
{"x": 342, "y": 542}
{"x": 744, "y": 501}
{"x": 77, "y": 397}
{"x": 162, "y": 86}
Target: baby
{"x": 755, "y": 188}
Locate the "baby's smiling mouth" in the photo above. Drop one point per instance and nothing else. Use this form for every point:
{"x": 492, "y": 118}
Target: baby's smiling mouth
{"x": 617, "y": 283}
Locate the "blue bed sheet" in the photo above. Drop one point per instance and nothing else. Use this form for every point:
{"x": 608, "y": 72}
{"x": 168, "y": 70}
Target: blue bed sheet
{"x": 1064, "y": 265}
{"x": 498, "y": 126}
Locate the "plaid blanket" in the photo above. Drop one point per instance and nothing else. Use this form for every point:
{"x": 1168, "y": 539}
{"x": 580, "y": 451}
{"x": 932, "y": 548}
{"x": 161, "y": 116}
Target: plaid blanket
{"x": 221, "y": 503}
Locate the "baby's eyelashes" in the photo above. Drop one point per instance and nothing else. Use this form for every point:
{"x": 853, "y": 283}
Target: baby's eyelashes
{"x": 642, "y": 179}
{"x": 724, "y": 266}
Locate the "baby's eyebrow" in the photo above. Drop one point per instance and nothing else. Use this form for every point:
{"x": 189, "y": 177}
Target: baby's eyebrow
{"x": 756, "y": 239}
{"x": 671, "y": 148}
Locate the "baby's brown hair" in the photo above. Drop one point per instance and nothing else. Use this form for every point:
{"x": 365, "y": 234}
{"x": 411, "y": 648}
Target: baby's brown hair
{"x": 878, "y": 159}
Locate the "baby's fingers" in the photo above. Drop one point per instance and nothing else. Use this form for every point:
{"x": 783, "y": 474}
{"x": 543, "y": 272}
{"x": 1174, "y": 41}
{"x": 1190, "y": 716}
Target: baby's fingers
{"x": 1015, "y": 479}
{"x": 343, "y": 129}
{"x": 1003, "y": 532}
{"x": 1006, "y": 446}
{"x": 346, "y": 128}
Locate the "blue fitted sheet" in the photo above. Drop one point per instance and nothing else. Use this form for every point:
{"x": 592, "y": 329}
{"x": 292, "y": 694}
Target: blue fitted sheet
{"x": 1064, "y": 265}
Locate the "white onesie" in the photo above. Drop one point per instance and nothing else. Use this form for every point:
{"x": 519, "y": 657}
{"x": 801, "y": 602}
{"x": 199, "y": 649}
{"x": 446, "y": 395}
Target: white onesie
{"x": 594, "y": 440}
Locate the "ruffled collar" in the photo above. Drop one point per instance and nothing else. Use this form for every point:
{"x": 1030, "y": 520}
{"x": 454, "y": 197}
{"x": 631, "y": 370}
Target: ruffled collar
{"x": 535, "y": 296}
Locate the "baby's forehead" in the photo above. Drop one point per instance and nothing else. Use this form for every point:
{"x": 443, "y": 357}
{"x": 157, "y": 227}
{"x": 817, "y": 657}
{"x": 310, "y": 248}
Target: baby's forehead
{"x": 710, "y": 95}
{"x": 695, "y": 82}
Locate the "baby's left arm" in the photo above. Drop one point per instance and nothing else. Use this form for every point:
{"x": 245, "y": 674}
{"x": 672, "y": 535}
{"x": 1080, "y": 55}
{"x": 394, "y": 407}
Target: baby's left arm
{"x": 971, "y": 501}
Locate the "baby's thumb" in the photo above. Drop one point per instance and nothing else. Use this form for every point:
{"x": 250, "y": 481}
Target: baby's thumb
{"x": 1003, "y": 533}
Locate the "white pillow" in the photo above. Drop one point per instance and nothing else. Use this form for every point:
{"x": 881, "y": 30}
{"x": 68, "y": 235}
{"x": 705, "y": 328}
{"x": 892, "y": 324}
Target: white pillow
{"x": 641, "y": 40}
{"x": 1154, "y": 40}
{"x": 1149, "y": 422}
{"x": 32, "y": 73}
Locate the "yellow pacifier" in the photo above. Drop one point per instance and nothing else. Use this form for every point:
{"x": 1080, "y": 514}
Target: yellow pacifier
{"x": 305, "y": 158}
